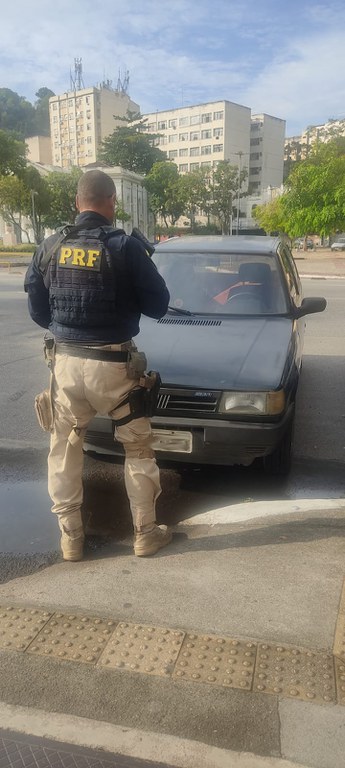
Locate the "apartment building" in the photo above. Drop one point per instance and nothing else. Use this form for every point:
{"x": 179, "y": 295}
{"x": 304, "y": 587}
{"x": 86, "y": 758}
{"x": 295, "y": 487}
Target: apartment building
{"x": 266, "y": 164}
{"x": 201, "y": 135}
{"x": 81, "y": 119}
{"x": 297, "y": 147}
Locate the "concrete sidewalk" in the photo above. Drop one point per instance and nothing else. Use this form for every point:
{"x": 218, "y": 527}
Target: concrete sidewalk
{"x": 228, "y": 645}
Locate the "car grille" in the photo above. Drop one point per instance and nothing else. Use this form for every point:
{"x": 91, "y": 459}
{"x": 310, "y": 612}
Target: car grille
{"x": 186, "y": 321}
{"x": 191, "y": 400}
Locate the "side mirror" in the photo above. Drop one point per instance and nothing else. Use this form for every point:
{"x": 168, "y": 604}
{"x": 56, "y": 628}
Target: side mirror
{"x": 310, "y": 305}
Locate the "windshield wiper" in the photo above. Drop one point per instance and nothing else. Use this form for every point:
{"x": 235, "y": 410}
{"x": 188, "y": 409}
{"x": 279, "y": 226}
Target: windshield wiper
{"x": 181, "y": 311}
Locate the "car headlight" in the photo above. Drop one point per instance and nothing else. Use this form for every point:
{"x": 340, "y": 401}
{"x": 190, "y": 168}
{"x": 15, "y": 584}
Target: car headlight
{"x": 252, "y": 403}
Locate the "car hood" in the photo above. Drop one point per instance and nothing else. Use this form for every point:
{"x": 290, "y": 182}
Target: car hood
{"x": 234, "y": 353}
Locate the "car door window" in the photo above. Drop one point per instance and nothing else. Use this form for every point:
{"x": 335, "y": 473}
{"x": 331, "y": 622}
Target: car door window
{"x": 292, "y": 277}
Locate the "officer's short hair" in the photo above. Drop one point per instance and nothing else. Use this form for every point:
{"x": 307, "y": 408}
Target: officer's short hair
{"x": 95, "y": 187}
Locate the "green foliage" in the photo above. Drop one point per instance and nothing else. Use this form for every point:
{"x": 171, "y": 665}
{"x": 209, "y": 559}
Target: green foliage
{"x": 21, "y": 248}
{"x": 61, "y": 189}
{"x": 271, "y": 216}
{"x": 20, "y": 117}
{"x": 226, "y": 188}
{"x": 163, "y": 185}
{"x": 120, "y": 214}
{"x": 14, "y": 200}
{"x": 195, "y": 194}
{"x": 131, "y": 149}
{"x": 42, "y": 122}
{"x": 12, "y": 154}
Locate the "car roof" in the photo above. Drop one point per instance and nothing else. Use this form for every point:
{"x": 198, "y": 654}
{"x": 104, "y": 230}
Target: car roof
{"x": 259, "y": 244}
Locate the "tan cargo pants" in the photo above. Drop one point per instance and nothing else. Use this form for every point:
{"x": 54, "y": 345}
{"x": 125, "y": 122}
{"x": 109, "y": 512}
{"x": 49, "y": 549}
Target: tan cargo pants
{"x": 82, "y": 388}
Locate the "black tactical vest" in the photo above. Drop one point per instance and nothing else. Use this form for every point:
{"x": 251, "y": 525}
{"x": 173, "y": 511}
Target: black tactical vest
{"x": 82, "y": 277}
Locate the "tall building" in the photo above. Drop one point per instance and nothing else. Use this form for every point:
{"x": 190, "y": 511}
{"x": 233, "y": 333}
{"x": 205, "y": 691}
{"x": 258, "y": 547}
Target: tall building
{"x": 81, "y": 119}
{"x": 266, "y": 164}
{"x": 199, "y": 136}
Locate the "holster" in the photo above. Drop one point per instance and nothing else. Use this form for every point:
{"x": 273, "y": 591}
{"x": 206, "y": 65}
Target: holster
{"x": 142, "y": 401}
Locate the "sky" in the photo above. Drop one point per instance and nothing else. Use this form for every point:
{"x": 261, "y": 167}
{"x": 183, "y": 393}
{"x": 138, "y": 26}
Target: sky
{"x": 282, "y": 57}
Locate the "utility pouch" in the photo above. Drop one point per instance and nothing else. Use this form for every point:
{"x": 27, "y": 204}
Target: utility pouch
{"x": 44, "y": 409}
{"x": 136, "y": 364}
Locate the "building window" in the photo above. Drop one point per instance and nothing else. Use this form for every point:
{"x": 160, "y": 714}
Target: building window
{"x": 173, "y": 123}
{"x": 89, "y": 139}
{"x": 183, "y": 136}
{"x": 194, "y": 151}
{"x": 151, "y": 127}
{"x": 218, "y": 115}
{"x": 254, "y": 142}
{"x": 255, "y": 155}
{"x": 206, "y": 117}
{"x": 183, "y": 121}
{"x": 193, "y": 166}
{"x": 70, "y": 102}
{"x": 194, "y": 136}
{"x": 89, "y": 127}
{"x": 172, "y": 153}
{"x": 206, "y": 164}
{"x": 183, "y": 167}
{"x": 206, "y": 134}
{"x": 195, "y": 120}
{"x": 173, "y": 138}
{"x": 88, "y": 114}
{"x": 218, "y": 147}
{"x": 55, "y": 119}
{"x": 183, "y": 152}
{"x": 162, "y": 125}
{"x": 255, "y": 171}
{"x": 87, "y": 99}
{"x": 54, "y": 105}
{"x": 217, "y": 132}
{"x": 206, "y": 150}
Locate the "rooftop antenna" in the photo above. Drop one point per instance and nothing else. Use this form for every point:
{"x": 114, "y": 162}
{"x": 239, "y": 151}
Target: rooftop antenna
{"x": 123, "y": 82}
{"x": 77, "y": 82}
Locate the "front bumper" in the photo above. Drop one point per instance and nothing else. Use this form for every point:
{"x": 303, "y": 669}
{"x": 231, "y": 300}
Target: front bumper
{"x": 214, "y": 441}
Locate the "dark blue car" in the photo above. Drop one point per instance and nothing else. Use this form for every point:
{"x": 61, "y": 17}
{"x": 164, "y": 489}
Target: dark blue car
{"x": 228, "y": 351}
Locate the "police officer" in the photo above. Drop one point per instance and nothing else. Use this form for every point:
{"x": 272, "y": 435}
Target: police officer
{"x": 89, "y": 285}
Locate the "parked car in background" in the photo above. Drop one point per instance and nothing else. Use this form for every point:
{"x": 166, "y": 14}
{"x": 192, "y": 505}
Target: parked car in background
{"x": 339, "y": 244}
{"x": 301, "y": 244}
{"x": 229, "y": 353}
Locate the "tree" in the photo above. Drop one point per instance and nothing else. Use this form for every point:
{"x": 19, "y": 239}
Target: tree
{"x": 195, "y": 192}
{"x": 42, "y": 123}
{"x": 226, "y": 188}
{"x": 14, "y": 201}
{"x": 271, "y": 216}
{"x": 61, "y": 189}
{"x": 37, "y": 202}
{"x": 130, "y": 148}
{"x": 12, "y": 154}
{"x": 163, "y": 185}
{"x": 16, "y": 114}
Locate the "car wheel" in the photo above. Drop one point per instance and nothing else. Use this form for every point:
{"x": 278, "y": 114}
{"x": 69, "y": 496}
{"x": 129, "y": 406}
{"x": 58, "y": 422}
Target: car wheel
{"x": 279, "y": 462}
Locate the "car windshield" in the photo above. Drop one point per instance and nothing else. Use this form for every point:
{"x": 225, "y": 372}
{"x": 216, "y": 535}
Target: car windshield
{"x": 222, "y": 283}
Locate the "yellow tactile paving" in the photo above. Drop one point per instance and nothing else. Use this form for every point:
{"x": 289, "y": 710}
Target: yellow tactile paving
{"x": 141, "y": 648}
{"x": 19, "y": 626}
{"x": 280, "y": 670}
{"x": 218, "y": 660}
{"x": 76, "y": 638}
{"x": 295, "y": 673}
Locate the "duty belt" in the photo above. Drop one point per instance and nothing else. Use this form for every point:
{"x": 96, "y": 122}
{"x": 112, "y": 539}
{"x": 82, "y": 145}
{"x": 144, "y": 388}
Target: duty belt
{"x": 92, "y": 353}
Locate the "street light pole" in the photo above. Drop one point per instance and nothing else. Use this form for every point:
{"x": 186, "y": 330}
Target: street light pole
{"x": 238, "y": 192}
{"x": 33, "y": 193}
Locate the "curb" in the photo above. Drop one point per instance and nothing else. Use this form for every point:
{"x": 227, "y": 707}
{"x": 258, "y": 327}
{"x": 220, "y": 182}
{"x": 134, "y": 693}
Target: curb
{"x": 171, "y": 751}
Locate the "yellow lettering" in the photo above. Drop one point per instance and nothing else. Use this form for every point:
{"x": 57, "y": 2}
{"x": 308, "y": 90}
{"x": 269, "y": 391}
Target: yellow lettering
{"x": 92, "y": 257}
{"x": 65, "y": 253}
{"x": 78, "y": 257}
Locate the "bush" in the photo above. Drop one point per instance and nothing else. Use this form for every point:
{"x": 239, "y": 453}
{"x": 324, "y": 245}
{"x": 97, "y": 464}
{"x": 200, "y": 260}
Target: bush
{"x": 20, "y": 248}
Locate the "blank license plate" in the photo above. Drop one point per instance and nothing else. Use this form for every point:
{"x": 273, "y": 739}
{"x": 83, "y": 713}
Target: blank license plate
{"x": 172, "y": 440}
